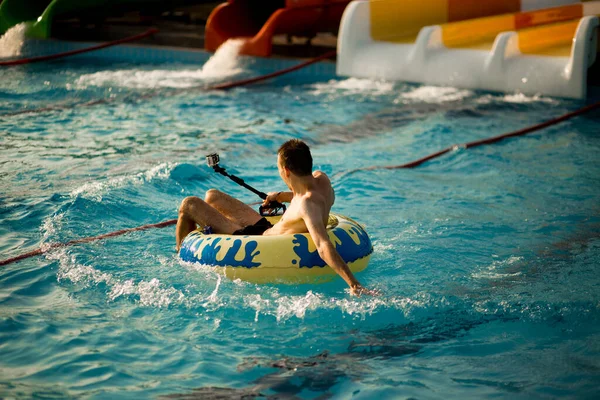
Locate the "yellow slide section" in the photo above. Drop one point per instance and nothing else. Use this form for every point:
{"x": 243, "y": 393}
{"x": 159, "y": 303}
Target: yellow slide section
{"x": 400, "y": 21}
{"x": 476, "y": 34}
{"x": 541, "y": 32}
{"x": 475, "y": 24}
{"x": 548, "y": 40}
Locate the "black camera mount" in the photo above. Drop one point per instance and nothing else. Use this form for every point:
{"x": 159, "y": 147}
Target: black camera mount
{"x": 273, "y": 208}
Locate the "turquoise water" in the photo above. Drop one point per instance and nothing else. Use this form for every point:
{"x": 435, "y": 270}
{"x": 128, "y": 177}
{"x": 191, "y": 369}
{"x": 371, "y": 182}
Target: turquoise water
{"x": 486, "y": 258}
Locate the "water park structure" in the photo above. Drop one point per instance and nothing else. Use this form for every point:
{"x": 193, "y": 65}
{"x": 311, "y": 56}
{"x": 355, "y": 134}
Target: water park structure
{"x": 528, "y": 46}
{"x": 525, "y": 46}
{"x": 258, "y": 22}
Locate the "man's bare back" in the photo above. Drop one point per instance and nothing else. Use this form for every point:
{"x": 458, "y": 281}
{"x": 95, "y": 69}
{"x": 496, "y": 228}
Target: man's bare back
{"x": 321, "y": 196}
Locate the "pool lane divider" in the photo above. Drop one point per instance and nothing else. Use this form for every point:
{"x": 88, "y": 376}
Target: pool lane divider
{"x": 275, "y": 74}
{"x": 482, "y": 142}
{"x": 221, "y": 86}
{"x": 50, "y": 57}
{"x": 412, "y": 164}
{"x": 50, "y": 246}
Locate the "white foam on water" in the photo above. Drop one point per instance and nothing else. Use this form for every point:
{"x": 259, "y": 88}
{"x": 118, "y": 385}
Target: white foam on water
{"x": 50, "y": 226}
{"x": 517, "y": 98}
{"x": 284, "y": 308}
{"x": 77, "y": 273}
{"x": 497, "y": 269}
{"x": 521, "y": 98}
{"x": 269, "y": 302}
{"x": 150, "y": 293}
{"x": 352, "y": 86}
{"x": 433, "y": 94}
{"x": 95, "y": 190}
{"x": 379, "y": 247}
{"x": 297, "y": 306}
{"x": 224, "y": 63}
{"x": 12, "y": 41}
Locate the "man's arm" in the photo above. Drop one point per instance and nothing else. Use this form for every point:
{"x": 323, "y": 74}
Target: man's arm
{"x": 280, "y": 197}
{"x": 318, "y": 231}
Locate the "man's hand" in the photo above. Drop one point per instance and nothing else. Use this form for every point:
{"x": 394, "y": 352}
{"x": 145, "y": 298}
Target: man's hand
{"x": 358, "y": 290}
{"x": 271, "y": 197}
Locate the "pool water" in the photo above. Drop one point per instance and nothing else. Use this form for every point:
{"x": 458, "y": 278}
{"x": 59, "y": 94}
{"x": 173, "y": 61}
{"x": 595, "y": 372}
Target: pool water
{"x": 486, "y": 258}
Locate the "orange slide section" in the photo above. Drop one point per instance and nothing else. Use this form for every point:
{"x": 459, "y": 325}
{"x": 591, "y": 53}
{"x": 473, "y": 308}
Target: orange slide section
{"x": 258, "y": 20}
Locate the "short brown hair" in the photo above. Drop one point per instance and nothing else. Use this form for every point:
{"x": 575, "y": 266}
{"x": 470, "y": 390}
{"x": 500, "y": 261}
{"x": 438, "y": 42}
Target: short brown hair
{"x": 295, "y": 156}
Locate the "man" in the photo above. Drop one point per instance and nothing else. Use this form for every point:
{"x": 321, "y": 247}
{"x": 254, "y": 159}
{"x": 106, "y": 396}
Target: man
{"x": 310, "y": 199}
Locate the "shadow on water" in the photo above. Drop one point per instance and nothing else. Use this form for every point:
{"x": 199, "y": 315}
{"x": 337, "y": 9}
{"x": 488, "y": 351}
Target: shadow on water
{"x": 319, "y": 374}
{"x": 382, "y": 121}
{"x": 404, "y": 114}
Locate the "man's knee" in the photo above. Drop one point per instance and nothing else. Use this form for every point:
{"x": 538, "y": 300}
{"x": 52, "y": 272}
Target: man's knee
{"x": 213, "y": 195}
{"x": 188, "y": 204}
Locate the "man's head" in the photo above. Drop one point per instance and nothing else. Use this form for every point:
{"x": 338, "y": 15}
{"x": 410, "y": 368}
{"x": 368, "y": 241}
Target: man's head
{"x": 294, "y": 156}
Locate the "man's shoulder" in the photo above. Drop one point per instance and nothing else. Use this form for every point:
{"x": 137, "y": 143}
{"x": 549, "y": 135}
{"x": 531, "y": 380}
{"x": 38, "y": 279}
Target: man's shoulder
{"x": 322, "y": 178}
{"x": 320, "y": 174}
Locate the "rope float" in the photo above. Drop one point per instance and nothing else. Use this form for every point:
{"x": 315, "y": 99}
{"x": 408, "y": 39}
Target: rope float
{"x": 412, "y": 164}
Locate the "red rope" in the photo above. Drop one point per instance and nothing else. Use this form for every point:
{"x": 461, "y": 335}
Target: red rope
{"x": 87, "y": 240}
{"x": 230, "y": 85}
{"x": 482, "y": 142}
{"x": 74, "y": 52}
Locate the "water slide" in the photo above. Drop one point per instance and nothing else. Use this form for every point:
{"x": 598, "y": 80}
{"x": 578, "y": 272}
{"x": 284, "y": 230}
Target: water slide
{"x": 13, "y": 12}
{"x": 527, "y": 46}
{"x": 40, "y": 13}
{"x": 258, "y": 20}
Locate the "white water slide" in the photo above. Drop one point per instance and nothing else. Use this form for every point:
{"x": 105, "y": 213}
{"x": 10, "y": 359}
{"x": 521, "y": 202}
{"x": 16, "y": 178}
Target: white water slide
{"x": 526, "y": 46}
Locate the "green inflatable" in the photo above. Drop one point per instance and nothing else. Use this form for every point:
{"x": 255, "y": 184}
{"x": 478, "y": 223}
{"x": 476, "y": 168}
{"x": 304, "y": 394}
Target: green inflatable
{"x": 40, "y": 13}
{"x": 13, "y": 12}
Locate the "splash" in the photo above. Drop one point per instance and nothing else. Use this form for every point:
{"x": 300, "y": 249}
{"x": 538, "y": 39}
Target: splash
{"x": 353, "y": 86}
{"x": 515, "y": 98}
{"x": 94, "y": 190}
{"x": 150, "y": 293}
{"x": 286, "y": 307}
{"x": 224, "y": 63}
{"x": 521, "y": 98}
{"x": 12, "y": 41}
{"x": 50, "y": 227}
{"x": 433, "y": 94}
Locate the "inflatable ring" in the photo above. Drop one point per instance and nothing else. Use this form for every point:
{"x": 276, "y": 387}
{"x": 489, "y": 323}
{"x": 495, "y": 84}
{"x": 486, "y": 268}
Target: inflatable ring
{"x": 289, "y": 258}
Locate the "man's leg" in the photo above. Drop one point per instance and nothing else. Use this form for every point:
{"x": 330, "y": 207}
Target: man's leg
{"x": 195, "y": 211}
{"x": 236, "y": 211}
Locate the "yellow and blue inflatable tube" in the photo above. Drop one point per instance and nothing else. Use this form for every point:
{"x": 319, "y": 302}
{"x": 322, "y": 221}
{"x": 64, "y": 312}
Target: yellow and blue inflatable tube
{"x": 283, "y": 258}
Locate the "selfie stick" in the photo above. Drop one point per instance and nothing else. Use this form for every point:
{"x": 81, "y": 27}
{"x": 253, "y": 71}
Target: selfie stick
{"x": 271, "y": 209}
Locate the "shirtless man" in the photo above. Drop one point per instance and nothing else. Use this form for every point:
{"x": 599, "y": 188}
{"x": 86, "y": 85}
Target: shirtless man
{"x": 310, "y": 199}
